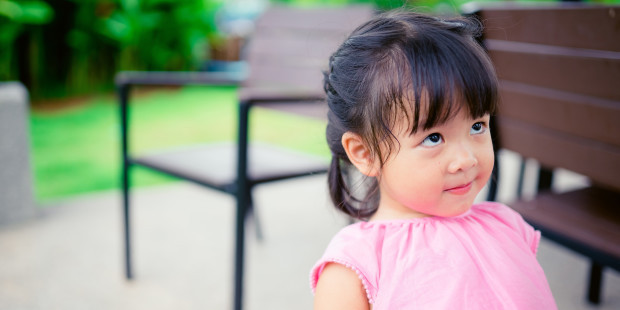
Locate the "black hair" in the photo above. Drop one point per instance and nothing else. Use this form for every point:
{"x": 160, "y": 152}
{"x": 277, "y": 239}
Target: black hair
{"x": 394, "y": 64}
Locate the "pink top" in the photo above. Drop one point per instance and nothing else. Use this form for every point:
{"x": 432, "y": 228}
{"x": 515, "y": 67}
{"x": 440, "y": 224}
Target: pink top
{"x": 483, "y": 259}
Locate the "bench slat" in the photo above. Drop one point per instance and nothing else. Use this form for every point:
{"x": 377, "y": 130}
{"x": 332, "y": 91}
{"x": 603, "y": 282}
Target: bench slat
{"x": 600, "y": 162}
{"x": 597, "y": 27}
{"x": 265, "y": 76}
{"x": 578, "y": 73}
{"x": 565, "y": 112}
{"x": 317, "y": 18}
{"x": 290, "y": 48}
{"x": 301, "y": 45}
{"x": 590, "y": 216}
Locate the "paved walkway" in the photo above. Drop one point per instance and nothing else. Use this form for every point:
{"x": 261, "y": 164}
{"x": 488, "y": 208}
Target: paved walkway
{"x": 70, "y": 256}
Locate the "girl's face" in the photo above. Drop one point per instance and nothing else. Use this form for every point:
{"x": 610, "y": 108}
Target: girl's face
{"x": 436, "y": 172}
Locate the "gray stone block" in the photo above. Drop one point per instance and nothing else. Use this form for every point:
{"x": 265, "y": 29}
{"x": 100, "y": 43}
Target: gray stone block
{"x": 16, "y": 190}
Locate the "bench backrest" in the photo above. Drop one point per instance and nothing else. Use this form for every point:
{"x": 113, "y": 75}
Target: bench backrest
{"x": 290, "y": 46}
{"x": 559, "y": 71}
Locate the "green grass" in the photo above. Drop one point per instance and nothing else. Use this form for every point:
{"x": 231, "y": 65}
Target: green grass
{"x": 77, "y": 150}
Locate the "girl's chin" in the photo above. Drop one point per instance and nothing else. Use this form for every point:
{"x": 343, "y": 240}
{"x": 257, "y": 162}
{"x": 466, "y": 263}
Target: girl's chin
{"x": 457, "y": 212}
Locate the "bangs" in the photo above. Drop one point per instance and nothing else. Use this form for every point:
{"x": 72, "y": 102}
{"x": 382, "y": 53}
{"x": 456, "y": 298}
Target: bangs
{"x": 452, "y": 75}
{"x": 448, "y": 75}
{"x": 430, "y": 79}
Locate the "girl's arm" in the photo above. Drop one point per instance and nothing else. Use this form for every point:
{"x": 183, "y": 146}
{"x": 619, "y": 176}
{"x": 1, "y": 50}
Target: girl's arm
{"x": 339, "y": 288}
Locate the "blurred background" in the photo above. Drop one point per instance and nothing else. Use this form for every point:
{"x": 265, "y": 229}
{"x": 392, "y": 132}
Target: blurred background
{"x": 66, "y": 53}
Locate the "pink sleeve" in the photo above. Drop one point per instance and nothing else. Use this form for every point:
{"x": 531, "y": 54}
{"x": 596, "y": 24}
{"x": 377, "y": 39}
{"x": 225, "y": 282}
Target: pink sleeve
{"x": 532, "y": 237}
{"x": 529, "y": 234}
{"x": 318, "y": 269}
{"x": 358, "y": 258}
{"x": 514, "y": 220}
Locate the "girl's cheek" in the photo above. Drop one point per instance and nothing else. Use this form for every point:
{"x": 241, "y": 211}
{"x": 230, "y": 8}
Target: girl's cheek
{"x": 487, "y": 161}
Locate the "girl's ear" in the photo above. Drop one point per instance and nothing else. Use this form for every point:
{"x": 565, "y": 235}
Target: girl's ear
{"x": 359, "y": 154}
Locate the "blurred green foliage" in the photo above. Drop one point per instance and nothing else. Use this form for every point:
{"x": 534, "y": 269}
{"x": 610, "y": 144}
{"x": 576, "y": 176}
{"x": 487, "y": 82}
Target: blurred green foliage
{"x": 138, "y": 35}
{"x": 15, "y": 18}
{"x": 68, "y": 47}
{"x": 61, "y": 48}
{"x": 155, "y": 34}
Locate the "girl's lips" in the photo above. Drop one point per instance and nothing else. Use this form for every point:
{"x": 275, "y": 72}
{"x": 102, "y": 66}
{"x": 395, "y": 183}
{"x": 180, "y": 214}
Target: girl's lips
{"x": 461, "y": 189}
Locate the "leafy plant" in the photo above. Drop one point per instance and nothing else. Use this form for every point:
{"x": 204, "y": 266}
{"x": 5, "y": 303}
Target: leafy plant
{"x": 15, "y": 18}
{"x": 159, "y": 34}
{"x": 88, "y": 41}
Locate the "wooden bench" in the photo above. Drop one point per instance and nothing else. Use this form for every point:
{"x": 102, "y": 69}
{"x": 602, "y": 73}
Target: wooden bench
{"x": 559, "y": 71}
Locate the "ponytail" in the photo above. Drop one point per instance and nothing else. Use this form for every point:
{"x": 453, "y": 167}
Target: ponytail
{"x": 342, "y": 196}
{"x": 338, "y": 189}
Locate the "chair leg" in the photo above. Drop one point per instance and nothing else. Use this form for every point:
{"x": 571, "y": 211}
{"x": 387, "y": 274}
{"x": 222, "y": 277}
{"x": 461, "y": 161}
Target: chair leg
{"x": 595, "y": 284}
{"x": 492, "y": 193}
{"x": 243, "y": 200}
{"x": 126, "y": 223}
{"x": 521, "y": 178}
{"x": 493, "y": 182}
{"x": 545, "y": 178}
{"x": 123, "y": 93}
{"x": 242, "y": 203}
{"x": 253, "y": 215}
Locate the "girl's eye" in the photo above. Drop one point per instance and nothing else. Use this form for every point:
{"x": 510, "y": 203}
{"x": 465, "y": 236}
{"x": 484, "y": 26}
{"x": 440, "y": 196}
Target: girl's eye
{"x": 477, "y": 128}
{"x": 432, "y": 140}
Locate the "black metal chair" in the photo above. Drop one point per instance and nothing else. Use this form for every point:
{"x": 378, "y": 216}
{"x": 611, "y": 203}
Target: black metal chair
{"x": 285, "y": 56}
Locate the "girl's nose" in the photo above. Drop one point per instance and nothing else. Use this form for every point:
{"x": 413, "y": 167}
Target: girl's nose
{"x": 463, "y": 159}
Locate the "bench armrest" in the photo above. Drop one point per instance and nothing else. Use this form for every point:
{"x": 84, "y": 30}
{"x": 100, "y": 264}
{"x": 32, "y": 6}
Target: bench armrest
{"x": 178, "y": 78}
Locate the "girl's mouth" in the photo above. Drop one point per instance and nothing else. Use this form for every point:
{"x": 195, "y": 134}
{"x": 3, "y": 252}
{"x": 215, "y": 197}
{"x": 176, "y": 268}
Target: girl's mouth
{"x": 460, "y": 190}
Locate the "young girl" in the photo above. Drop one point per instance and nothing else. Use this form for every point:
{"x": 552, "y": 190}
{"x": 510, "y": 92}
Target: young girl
{"x": 409, "y": 101}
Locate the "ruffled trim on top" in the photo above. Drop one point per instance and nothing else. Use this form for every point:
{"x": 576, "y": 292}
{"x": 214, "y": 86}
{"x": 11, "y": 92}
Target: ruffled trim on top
{"x": 416, "y": 221}
{"x": 318, "y": 269}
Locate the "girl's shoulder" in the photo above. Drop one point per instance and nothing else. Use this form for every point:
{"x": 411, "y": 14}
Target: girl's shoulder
{"x": 505, "y": 219}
